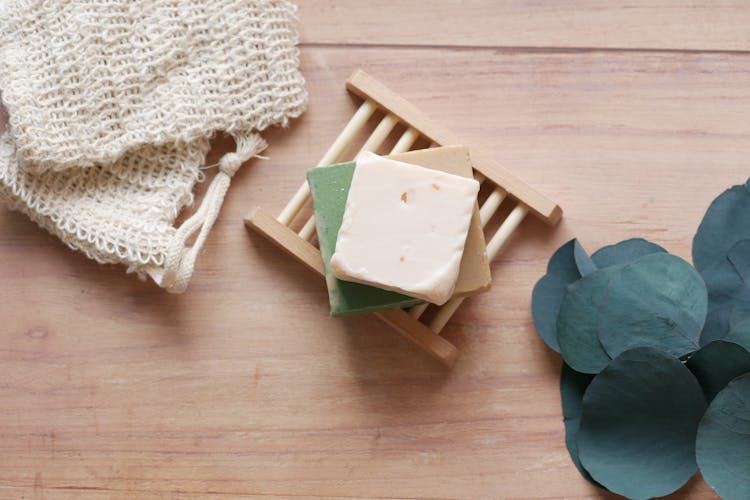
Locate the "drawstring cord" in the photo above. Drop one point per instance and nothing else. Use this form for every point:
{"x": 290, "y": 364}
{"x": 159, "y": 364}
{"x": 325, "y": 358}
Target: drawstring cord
{"x": 180, "y": 259}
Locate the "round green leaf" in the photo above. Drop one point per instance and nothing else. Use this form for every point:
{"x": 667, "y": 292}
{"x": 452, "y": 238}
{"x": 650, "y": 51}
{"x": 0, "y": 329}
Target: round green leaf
{"x": 545, "y": 305}
{"x": 562, "y": 270}
{"x": 572, "y": 387}
{"x": 659, "y": 301}
{"x": 638, "y": 424}
{"x": 728, "y": 286}
{"x": 739, "y": 257}
{"x": 723, "y": 442}
{"x": 740, "y": 334}
{"x": 716, "y": 364}
{"x": 624, "y": 252}
{"x": 563, "y": 261}
{"x": 724, "y": 285}
{"x": 726, "y": 222}
{"x": 579, "y": 321}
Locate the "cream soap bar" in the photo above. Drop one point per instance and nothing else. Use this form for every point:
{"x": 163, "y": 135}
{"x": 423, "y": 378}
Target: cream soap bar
{"x": 404, "y": 228}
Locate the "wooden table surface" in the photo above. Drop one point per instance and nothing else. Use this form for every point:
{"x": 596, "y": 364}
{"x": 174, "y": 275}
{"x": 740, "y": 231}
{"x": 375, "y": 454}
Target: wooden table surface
{"x": 633, "y": 117}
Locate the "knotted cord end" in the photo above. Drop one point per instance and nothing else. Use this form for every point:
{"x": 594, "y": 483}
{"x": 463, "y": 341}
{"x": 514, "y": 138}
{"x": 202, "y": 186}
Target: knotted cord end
{"x": 179, "y": 262}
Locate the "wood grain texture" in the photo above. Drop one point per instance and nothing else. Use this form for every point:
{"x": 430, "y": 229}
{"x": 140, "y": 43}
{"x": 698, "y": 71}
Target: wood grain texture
{"x": 636, "y": 24}
{"x": 244, "y": 388}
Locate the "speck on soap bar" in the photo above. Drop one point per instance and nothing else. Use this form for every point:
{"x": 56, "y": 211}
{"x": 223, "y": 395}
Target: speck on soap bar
{"x": 329, "y": 187}
{"x": 404, "y": 228}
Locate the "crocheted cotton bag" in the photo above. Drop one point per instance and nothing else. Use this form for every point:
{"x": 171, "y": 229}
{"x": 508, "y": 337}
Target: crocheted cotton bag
{"x": 111, "y": 105}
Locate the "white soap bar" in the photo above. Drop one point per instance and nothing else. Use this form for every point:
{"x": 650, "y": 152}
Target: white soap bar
{"x": 404, "y": 228}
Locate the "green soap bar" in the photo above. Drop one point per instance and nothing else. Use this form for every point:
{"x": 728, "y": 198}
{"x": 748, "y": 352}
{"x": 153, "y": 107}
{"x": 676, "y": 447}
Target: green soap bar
{"x": 330, "y": 187}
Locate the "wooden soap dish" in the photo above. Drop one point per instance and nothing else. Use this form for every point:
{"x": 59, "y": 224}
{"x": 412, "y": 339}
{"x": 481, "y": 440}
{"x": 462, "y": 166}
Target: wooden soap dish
{"x": 417, "y": 127}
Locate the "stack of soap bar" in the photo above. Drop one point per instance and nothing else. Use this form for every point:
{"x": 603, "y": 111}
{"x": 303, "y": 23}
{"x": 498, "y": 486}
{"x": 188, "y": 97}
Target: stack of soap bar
{"x": 404, "y": 228}
{"x": 330, "y": 187}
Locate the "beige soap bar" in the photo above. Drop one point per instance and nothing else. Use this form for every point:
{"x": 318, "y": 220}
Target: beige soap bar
{"x": 474, "y": 274}
{"x": 405, "y": 228}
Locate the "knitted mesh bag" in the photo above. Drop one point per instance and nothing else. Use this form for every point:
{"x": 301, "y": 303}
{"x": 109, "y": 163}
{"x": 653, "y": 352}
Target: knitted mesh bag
{"x": 111, "y": 106}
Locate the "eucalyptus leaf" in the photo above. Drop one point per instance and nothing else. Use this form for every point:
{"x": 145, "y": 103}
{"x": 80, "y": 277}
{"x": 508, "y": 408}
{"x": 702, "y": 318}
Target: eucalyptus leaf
{"x": 638, "y": 424}
{"x": 624, "y": 252}
{"x": 572, "y": 387}
{"x": 726, "y": 301}
{"x": 728, "y": 292}
{"x": 545, "y": 306}
{"x": 726, "y": 222}
{"x": 562, "y": 270}
{"x": 563, "y": 262}
{"x": 659, "y": 301}
{"x": 723, "y": 442}
{"x": 579, "y": 321}
{"x": 718, "y": 363}
{"x": 739, "y": 257}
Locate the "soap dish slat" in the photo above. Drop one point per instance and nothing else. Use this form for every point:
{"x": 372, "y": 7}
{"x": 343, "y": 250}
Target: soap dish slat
{"x": 417, "y": 127}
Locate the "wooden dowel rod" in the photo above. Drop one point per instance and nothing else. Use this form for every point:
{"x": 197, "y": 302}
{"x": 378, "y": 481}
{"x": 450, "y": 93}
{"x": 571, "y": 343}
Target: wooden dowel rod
{"x": 380, "y": 133}
{"x": 491, "y": 204}
{"x": 445, "y": 313}
{"x": 365, "y": 111}
{"x": 308, "y": 230}
{"x": 506, "y": 229}
{"x": 417, "y": 311}
{"x": 406, "y": 141}
{"x": 357, "y": 121}
{"x": 295, "y": 204}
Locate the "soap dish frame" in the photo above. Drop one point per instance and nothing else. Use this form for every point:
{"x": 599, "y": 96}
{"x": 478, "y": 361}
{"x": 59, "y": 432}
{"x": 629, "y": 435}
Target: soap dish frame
{"x": 376, "y": 97}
